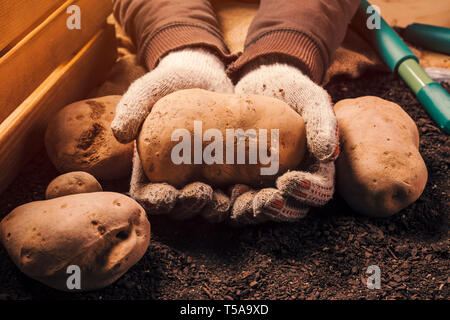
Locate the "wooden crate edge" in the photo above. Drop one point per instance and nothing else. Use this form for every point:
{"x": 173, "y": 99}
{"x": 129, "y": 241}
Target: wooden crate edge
{"x": 21, "y": 134}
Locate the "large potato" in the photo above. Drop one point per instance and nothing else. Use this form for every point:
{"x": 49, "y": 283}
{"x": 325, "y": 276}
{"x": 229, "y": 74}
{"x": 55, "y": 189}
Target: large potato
{"x": 380, "y": 170}
{"x": 79, "y": 138}
{"x": 179, "y": 111}
{"x": 103, "y": 233}
{"x": 72, "y": 183}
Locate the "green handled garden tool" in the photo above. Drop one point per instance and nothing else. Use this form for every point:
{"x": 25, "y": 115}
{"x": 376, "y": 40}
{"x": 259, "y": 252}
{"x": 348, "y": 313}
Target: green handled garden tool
{"x": 433, "y": 38}
{"x": 401, "y": 60}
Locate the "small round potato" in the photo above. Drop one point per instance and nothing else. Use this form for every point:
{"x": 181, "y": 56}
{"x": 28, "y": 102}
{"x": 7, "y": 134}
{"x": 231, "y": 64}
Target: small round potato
{"x": 380, "y": 170}
{"x": 79, "y": 138}
{"x": 93, "y": 237}
{"x": 72, "y": 183}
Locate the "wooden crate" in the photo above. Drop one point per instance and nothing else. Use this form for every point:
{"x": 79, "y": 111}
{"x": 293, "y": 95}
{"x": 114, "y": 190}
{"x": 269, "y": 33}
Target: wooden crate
{"x": 18, "y": 17}
{"x": 26, "y": 65}
{"x": 49, "y": 68}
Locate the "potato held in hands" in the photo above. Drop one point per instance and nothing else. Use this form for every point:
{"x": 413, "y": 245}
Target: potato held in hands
{"x": 103, "y": 233}
{"x": 222, "y": 139}
{"x": 380, "y": 170}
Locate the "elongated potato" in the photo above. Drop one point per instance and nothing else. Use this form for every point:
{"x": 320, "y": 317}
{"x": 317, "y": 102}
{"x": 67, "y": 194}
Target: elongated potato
{"x": 193, "y": 135}
{"x": 380, "y": 170}
{"x": 102, "y": 233}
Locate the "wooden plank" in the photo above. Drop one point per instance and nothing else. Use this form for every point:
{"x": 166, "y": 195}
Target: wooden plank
{"x": 22, "y": 133}
{"x": 18, "y": 17}
{"x": 26, "y": 65}
{"x": 403, "y": 12}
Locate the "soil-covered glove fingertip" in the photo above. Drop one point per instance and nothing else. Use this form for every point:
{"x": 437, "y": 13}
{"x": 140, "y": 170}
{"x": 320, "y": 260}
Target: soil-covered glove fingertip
{"x": 192, "y": 199}
{"x": 157, "y": 198}
{"x": 242, "y": 212}
{"x": 218, "y": 209}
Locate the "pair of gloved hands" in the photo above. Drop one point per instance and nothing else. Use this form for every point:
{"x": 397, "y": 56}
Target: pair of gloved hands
{"x": 295, "y": 191}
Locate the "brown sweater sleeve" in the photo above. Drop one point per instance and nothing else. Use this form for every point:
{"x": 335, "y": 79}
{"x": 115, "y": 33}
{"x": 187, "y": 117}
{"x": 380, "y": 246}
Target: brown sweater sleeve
{"x": 160, "y": 26}
{"x": 304, "y": 33}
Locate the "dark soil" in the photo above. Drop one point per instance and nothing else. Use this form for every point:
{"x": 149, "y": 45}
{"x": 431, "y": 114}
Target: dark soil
{"x": 324, "y": 256}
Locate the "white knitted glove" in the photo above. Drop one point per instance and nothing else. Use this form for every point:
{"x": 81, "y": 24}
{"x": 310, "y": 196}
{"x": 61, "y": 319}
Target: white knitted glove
{"x": 184, "y": 69}
{"x": 296, "y": 190}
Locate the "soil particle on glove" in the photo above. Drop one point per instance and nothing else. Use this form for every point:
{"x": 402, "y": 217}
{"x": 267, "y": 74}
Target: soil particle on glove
{"x": 324, "y": 256}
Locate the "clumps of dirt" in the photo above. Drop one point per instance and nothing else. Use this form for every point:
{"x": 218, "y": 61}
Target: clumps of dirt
{"x": 94, "y": 136}
{"x": 88, "y": 138}
{"x": 324, "y": 256}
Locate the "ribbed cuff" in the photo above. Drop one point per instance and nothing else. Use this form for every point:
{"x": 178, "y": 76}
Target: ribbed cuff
{"x": 284, "y": 46}
{"x": 178, "y": 36}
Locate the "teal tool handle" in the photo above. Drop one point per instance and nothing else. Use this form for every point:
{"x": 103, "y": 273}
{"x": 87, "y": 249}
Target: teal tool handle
{"x": 400, "y": 59}
{"x": 433, "y": 97}
{"x": 385, "y": 40}
{"x": 430, "y": 37}
{"x": 436, "y": 101}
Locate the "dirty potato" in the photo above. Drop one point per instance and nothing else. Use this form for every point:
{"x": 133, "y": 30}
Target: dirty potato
{"x": 72, "y": 183}
{"x": 102, "y": 233}
{"x": 79, "y": 138}
{"x": 380, "y": 170}
{"x": 222, "y": 138}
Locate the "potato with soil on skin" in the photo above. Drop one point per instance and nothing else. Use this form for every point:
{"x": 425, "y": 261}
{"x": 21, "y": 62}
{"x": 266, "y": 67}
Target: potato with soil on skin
{"x": 103, "y": 233}
{"x": 380, "y": 170}
{"x": 79, "y": 138}
{"x": 72, "y": 183}
{"x": 219, "y": 111}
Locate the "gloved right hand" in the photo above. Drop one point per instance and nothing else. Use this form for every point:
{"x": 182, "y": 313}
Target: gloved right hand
{"x": 184, "y": 69}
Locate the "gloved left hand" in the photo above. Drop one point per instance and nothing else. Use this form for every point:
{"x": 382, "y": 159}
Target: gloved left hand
{"x": 295, "y": 191}
{"x": 181, "y": 69}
